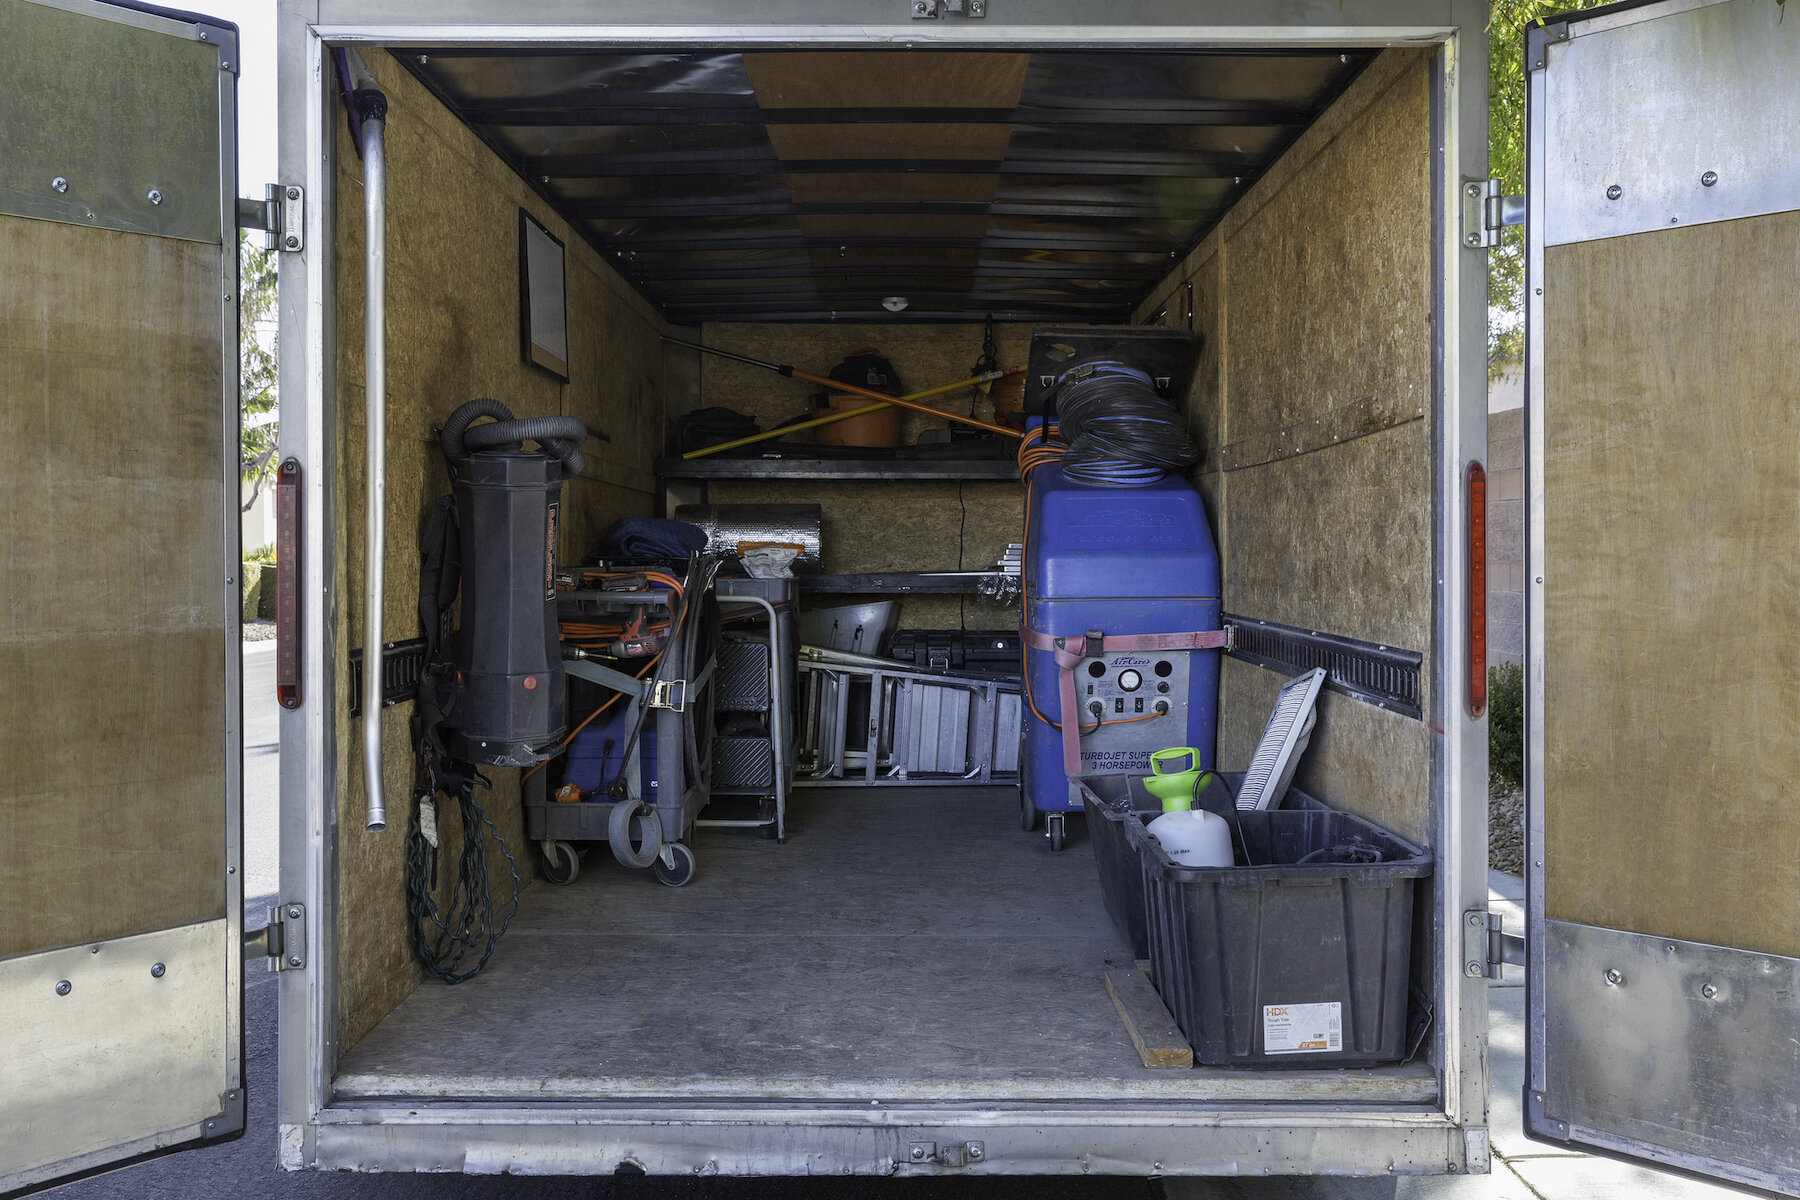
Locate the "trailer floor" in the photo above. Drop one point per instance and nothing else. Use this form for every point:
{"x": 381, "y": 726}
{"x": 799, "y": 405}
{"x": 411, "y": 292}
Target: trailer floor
{"x": 904, "y": 944}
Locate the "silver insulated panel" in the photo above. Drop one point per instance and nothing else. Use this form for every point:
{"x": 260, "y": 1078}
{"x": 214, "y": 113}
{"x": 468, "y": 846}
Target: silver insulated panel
{"x": 727, "y": 526}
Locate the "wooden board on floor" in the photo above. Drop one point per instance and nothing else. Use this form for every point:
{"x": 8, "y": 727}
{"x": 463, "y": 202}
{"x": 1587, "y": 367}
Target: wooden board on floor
{"x": 1159, "y": 1043}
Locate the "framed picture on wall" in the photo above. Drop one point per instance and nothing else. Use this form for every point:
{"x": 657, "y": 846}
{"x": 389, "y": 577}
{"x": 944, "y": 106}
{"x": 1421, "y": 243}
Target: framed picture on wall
{"x": 543, "y": 311}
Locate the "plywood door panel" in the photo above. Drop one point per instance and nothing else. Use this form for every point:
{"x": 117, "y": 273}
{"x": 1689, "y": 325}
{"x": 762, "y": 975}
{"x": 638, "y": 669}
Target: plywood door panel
{"x": 112, "y": 617}
{"x": 1672, "y": 547}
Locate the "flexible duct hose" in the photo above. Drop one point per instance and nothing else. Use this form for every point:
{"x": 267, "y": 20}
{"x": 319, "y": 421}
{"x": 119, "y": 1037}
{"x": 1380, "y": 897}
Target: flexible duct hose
{"x": 559, "y": 437}
{"x": 1120, "y": 433}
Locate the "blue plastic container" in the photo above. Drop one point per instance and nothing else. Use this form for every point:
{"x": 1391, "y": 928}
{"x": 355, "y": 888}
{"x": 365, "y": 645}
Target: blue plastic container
{"x": 594, "y": 756}
{"x": 1121, "y": 561}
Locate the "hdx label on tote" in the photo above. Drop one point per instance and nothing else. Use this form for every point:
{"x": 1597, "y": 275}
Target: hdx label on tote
{"x": 1303, "y": 1028}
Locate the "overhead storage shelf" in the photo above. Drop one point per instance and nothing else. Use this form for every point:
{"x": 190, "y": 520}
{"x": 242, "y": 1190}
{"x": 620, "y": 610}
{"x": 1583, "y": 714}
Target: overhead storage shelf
{"x": 838, "y": 468}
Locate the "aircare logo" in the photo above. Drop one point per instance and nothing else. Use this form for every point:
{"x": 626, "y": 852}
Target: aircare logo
{"x": 1130, "y": 660}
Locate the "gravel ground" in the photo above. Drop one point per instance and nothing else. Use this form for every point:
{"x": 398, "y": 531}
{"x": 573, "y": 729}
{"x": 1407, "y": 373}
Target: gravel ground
{"x": 1506, "y": 827}
{"x": 259, "y": 631}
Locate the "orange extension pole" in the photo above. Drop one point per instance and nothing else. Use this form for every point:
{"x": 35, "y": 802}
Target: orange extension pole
{"x": 851, "y": 389}
{"x": 846, "y": 414}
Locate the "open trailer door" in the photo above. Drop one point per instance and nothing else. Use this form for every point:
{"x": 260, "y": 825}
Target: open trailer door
{"x": 120, "y": 877}
{"x": 1664, "y": 566}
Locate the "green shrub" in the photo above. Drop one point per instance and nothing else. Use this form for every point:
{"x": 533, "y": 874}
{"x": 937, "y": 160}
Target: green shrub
{"x": 265, "y": 555}
{"x": 1506, "y": 723}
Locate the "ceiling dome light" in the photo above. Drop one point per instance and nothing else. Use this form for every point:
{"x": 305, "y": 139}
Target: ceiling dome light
{"x": 894, "y": 303}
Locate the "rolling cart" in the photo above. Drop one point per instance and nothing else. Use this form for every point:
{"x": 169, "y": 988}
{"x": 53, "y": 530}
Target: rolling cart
{"x": 657, "y": 776}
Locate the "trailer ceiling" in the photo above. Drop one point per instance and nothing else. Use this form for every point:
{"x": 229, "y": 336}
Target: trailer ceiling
{"x": 811, "y": 185}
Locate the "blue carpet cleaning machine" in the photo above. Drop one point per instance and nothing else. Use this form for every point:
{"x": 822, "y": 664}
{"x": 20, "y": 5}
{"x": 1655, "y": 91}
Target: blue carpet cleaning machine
{"x": 1120, "y": 615}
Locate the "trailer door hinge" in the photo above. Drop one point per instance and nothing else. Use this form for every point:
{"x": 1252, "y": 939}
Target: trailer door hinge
{"x": 930, "y": 10}
{"x": 954, "y": 1154}
{"x": 1485, "y": 949}
{"x": 1485, "y": 212}
{"x": 281, "y": 214}
{"x": 283, "y": 941}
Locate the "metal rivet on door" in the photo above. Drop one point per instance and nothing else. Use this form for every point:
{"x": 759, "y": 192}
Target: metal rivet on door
{"x": 64, "y": 987}
{"x": 1614, "y": 977}
{"x": 1614, "y": 192}
{"x": 1708, "y": 179}
{"x": 59, "y": 184}
{"x": 157, "y": 970}
{"x": 154, "y": 196}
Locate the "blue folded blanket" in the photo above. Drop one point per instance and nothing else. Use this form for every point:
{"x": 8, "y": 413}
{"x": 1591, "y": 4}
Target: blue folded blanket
{"x": 654, "y": 537}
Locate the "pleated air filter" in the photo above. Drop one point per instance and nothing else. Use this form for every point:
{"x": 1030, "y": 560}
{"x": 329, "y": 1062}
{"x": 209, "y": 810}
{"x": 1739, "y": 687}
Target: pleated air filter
{"x": 1284, "y": 740}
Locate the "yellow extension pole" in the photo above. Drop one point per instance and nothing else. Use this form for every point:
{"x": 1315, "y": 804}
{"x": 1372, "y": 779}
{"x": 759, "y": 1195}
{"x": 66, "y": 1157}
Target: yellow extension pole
{"x": 846, "y": 414}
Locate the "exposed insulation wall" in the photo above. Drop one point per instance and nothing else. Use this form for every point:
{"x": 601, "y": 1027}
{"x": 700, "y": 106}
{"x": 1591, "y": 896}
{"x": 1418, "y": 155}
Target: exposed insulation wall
{"x": 1313, "y": 300}
{"x": 1672, "y": 736}
{"x": 929, "y": 526}
{"x": 112, "y": 631}
{"x": 452, "y": 335}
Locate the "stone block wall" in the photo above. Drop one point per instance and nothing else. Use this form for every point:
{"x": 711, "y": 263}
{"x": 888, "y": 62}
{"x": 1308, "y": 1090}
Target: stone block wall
{"x": 1506, "y": 536}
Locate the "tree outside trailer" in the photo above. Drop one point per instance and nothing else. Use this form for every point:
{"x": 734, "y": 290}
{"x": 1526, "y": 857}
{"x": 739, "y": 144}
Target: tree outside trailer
{"x": 258, "y": 427}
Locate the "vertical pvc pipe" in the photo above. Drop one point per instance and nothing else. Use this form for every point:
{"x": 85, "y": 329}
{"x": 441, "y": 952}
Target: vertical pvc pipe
{"x": 371, "y": 106}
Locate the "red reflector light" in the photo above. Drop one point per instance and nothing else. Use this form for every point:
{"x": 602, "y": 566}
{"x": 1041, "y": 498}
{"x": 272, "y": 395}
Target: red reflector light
{"x": 287, "y": 584}
{"x": 1477, "y": 589}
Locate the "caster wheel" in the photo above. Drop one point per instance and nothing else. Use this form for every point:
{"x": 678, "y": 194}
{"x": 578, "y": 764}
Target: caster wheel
{"x": 561, "y": 863}
{"x": 1028, "y": 812}
{"x": 1056, "y": 833}
{"x": 681, "y": 872}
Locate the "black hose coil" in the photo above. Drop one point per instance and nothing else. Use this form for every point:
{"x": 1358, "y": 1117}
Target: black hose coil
{"x": 559, "y": 437}
{"x": 1120, "y": 433}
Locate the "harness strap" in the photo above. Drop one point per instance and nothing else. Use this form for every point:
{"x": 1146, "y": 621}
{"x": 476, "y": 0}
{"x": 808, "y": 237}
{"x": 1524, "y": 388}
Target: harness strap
{"x": 1069, "y": 651}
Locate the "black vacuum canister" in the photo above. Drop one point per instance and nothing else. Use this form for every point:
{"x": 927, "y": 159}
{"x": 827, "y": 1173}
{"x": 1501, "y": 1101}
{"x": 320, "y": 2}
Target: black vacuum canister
{"x": 508, "y": 705}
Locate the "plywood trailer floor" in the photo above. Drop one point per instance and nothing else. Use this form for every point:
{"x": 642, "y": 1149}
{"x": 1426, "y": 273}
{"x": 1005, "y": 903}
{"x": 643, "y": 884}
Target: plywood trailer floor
{"x": 911, "y": 944}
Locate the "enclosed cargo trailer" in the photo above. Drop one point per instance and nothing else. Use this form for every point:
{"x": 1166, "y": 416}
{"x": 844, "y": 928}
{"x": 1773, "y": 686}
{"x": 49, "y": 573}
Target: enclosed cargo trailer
{"x": 920, "y": 1011}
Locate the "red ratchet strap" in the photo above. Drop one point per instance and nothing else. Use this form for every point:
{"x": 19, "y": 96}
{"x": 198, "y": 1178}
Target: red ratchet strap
{"x": 1069, "y": 651}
